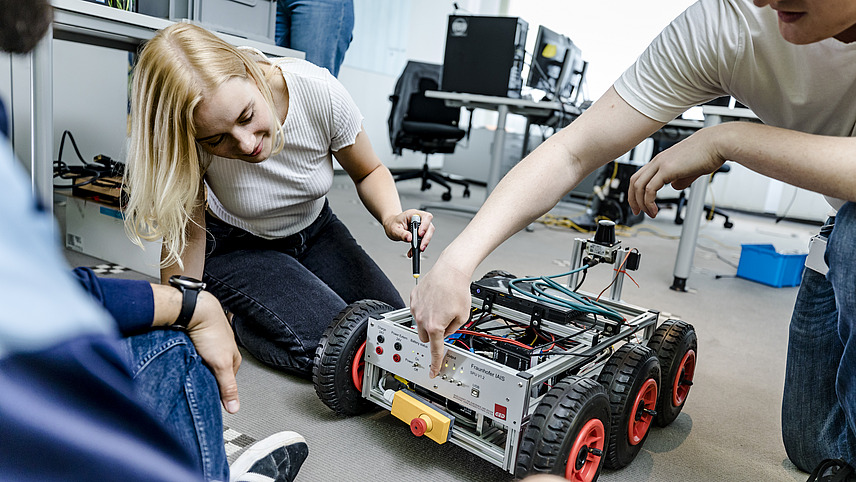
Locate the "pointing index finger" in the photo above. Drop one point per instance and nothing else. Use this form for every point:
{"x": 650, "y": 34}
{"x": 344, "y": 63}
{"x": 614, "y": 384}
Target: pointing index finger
{"x": 435, "y": 343}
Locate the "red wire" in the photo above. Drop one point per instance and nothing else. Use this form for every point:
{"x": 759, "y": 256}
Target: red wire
{"x": 620, "y": 270}
{"x": 494, "y": 337}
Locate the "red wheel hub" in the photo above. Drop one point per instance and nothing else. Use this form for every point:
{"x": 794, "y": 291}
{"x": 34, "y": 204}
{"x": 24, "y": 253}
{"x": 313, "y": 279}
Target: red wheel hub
{"x": 357, "y": 367}
{"x": 584, "y": 458}
{"x": 642, "y": 412}
{"x": 683, "y": 379}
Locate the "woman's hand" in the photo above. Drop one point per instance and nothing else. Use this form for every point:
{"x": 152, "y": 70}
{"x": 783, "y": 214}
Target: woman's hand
{"x": 397, "y": 228}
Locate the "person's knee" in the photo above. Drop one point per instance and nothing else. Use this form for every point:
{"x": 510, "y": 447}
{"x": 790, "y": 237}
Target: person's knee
{"x": 798, "y": 448}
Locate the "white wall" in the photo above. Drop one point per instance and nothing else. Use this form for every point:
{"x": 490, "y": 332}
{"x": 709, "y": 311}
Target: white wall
{"x": 611, "y": 34}
{"x": 89, "y": 98}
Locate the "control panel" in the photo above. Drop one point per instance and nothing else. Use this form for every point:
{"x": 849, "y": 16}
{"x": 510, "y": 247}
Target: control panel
{"x": 475, "y": 382}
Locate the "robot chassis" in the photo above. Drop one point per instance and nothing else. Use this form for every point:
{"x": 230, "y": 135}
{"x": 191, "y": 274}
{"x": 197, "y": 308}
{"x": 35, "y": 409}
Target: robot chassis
{"x": 528, "y": 385}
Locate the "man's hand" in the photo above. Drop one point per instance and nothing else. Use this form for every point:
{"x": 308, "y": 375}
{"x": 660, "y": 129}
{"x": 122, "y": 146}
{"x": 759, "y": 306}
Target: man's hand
{"x": 211, "y": 334}
{"x": 440, "y": 304}
{"x": 679, "y": 166}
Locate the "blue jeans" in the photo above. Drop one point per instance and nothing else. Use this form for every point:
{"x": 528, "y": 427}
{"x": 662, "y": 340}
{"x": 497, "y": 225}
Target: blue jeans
{"x": 321, "y": 28}
{"x": 819, "y": 403}
{"x": 285, "y": 292}
{"x": 173, "y": 382}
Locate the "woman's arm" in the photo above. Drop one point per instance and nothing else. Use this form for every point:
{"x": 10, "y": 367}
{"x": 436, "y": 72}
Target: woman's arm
{"x": 194, "y": 253}
{"x": 377, "y": 191}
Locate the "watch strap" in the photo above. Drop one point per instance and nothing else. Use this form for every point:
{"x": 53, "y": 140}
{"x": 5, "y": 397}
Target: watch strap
{"x": 188, "y": 306}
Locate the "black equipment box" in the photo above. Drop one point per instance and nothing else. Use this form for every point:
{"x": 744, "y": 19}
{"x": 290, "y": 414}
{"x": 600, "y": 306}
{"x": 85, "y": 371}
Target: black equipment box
{"x": 484, "y": 55}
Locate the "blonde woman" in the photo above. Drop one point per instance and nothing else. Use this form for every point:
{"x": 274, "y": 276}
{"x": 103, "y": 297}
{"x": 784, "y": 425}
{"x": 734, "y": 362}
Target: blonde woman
{"x": 230, "y": 161}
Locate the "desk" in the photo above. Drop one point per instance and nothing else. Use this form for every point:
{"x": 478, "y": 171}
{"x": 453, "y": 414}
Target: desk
{"x": 503, "y": 106}
{"x": 94, "y": 24}
{"x": 713, "y": 115}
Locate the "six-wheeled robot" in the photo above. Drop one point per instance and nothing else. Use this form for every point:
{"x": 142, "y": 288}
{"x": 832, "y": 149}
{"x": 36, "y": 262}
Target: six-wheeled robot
{"x": 543, "y": 378}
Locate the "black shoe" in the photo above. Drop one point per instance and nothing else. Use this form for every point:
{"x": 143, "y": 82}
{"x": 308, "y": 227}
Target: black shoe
{"x": 832, "y": 470}
{"x": 277, "y": 458}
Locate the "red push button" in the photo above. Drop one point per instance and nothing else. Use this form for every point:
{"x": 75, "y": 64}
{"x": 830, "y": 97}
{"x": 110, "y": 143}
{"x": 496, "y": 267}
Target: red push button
{"x": 418, "y": 426}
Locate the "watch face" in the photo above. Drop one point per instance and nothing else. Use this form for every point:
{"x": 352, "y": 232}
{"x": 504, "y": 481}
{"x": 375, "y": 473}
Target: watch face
{"x": 186, "y": 282}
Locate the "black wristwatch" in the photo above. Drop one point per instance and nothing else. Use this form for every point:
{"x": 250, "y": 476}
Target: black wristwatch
{"x": 190, "y": 288}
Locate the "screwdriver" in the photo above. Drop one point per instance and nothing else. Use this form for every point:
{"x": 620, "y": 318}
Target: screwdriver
{"x": 415, "y": 241}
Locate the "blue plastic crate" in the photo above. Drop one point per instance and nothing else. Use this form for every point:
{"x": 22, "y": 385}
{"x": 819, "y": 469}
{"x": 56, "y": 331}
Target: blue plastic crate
{"x": 761, "y": 263}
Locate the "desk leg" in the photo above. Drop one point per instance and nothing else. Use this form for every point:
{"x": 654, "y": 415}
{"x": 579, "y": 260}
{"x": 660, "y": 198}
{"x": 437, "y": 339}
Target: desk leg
{"x": 689, "y": 234}
{"x": 692, "y": 220}
{"x": 497, "y": 149}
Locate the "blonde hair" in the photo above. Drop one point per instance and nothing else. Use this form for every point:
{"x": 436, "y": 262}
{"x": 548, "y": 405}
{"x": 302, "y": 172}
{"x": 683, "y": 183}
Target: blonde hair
{"x": 165, "y": 165}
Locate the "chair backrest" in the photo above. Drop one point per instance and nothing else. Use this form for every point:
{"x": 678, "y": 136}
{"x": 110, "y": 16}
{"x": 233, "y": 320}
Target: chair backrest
{"x": 417, "y": 122}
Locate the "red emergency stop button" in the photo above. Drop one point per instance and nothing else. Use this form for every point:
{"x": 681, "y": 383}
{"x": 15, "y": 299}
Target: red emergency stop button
{"x": 420, "y": 425}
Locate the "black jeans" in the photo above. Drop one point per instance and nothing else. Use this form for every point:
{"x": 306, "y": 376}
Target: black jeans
{"x": 285, "y": 292}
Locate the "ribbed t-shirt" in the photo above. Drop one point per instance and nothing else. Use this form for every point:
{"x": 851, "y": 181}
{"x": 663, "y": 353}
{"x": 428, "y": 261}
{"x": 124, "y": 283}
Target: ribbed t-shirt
{"x": 285, "y": 193}
{"x": 732, "y": 47}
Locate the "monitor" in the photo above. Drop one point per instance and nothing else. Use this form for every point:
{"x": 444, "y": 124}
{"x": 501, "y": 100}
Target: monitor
{"x": 556, "y": 65}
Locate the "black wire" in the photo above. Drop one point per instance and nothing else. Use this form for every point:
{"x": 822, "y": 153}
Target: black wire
{"x": 788, "y": 209}
{"x": 585, "y": 271}
{"x": 729, "y": 263}
{"x": 95, "y": 172}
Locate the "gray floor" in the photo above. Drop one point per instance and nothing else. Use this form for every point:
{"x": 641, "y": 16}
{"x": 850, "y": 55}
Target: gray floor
{"x": 730, "y": 426}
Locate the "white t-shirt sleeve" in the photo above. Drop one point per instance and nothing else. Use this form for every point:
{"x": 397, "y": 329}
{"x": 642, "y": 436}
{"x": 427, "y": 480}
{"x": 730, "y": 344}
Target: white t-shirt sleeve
{"x": 681, "y": 67}
{"x": 347, "y": 119}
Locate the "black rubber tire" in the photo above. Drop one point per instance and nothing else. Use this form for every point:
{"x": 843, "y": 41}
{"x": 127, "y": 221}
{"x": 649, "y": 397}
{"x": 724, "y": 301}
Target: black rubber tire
{"x": 446, "y": 196}
{"x": 335, "y": 354}
{"x": 672, "y": 341}
{"x": 498, "y": 273}
{"x": 624, "y": 376}
{"x": 556, "y": 425}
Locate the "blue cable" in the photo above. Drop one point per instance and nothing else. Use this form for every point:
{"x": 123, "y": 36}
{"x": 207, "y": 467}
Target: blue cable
{"x": 540, "y": 284}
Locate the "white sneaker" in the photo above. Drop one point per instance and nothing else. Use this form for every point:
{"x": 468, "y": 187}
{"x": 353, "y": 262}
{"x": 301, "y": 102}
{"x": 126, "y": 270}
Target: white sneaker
{"x": 277, "y": 458}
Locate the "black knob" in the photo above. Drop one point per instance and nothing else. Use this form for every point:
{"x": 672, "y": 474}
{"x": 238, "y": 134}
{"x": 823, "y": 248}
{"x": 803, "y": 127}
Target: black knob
{"x": 605, "y": 233}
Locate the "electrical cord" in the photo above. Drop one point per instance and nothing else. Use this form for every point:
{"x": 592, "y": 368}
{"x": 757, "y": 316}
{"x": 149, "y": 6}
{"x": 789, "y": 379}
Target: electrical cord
{"x": 96, "y": 173}
{"x": 572, "y": 300}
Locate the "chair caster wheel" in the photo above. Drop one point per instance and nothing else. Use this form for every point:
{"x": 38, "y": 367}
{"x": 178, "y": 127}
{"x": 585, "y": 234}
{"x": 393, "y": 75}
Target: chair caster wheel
{"x": 447, "y": 196}
{"x": 728, "y": 224}
{"x": 466, "y": 193}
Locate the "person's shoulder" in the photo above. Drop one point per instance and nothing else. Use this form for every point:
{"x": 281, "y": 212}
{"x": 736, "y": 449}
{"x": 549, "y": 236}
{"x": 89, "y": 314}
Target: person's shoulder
{"x": 303, "y": 68}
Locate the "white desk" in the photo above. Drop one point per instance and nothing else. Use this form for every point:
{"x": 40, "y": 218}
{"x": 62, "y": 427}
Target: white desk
{"x": 713, "y": 115}
{"x": 503, "y": 106}
{"x": 89, "y": 23}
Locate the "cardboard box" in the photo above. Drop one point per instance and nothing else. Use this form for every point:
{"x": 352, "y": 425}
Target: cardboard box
{"x": 761, "y": 263}
{"x": 98, "y": 230}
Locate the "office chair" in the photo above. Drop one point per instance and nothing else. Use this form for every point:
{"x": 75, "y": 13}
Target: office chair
{"x": 422, "y": 124}
{"x": 681, "y": 201}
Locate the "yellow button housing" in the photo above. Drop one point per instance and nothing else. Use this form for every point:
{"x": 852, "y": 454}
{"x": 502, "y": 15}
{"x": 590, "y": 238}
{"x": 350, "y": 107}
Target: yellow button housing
{"x": 406, "y": 407}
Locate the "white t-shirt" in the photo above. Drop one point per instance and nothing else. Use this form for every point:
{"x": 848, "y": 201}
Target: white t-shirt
{"x": 285, "y": 193}
{"x": 731, "y": 47}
